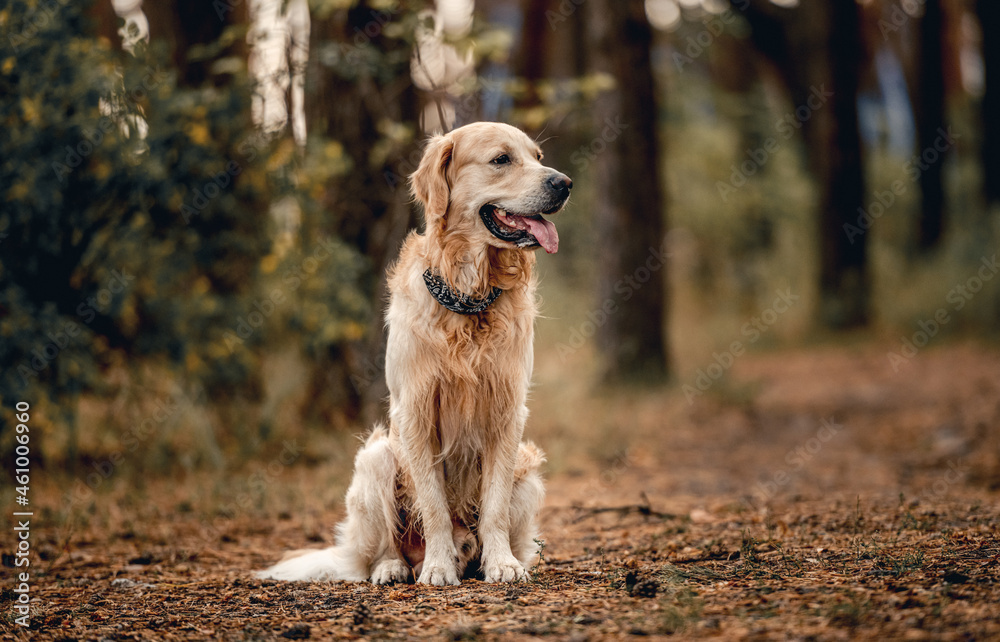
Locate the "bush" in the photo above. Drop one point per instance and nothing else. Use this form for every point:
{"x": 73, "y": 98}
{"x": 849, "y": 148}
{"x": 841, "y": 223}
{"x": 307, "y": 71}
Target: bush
{"x": 137, "y": 220}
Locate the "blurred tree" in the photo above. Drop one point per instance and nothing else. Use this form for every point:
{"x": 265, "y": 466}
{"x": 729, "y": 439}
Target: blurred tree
{"x": 106, "y": 23}
{"x": 549, "y": 61}
{"x": 989, "y": 20}
{"x": 94, "y": 197}
{"x": 629, "y": 208}
{"x": 533, "y": 55}
{"x": 191, "y": 30}
{"x": 137, "y": 217}
{"x": 362, "y": 96}
{"x": 929, "y": 107}
{"x": 817, "y": 49}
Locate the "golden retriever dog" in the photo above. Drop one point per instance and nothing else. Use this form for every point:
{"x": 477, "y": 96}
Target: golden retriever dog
{"x": 449, "y": 488}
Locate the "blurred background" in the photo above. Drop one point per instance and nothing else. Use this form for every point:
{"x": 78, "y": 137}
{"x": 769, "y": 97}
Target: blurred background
{"x": 200, "y": 199}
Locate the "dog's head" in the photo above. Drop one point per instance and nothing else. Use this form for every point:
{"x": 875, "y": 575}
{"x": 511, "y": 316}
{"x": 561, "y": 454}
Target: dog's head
{"x": 486, "y": 182}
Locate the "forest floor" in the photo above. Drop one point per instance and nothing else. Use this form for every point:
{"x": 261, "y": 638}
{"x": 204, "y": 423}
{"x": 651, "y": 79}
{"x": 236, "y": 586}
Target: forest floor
{"x": 813, "y": 494}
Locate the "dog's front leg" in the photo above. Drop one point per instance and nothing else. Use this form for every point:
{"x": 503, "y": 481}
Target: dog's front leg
{"x": 498, "y": 562}
{"x": 441, "y": 556}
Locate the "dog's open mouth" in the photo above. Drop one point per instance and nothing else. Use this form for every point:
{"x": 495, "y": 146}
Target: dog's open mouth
{"x": 523, "y": 230}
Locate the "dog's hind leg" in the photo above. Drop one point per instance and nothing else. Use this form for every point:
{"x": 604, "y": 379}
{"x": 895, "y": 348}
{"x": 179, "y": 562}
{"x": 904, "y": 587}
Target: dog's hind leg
{"x": 366, "y": 545}
{"x": 372, "y": 522}
{"x": 526, "y": 500}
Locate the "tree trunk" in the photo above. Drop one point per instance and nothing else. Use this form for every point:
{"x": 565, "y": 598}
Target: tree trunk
{"x": 370, "y": 206}
{"x": 929, "y": 113}
{"x": 105, "y": 22}
{"x": 843, "y": 258}
{"x": 183, "y": 24}
{"x": 629, "y": 214}
{"x": 989, "y": 20}
{"x": 817, "y": 49}
{"x": 531, "y": 58}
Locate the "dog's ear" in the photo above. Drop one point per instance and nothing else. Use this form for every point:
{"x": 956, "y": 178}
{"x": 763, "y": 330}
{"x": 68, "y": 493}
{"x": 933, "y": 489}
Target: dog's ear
{"x": 429, "y": 183}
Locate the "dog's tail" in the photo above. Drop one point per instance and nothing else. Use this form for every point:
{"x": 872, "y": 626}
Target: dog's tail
{"x": 310, "y": 565}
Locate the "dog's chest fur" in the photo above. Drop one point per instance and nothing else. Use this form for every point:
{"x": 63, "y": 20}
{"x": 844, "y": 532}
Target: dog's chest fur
{"x": 482, "y": 382}
{"x": 473, "y": 372}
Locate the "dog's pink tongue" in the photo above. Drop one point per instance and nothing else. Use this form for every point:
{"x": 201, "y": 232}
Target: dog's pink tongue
{"x": 545, "y": 232}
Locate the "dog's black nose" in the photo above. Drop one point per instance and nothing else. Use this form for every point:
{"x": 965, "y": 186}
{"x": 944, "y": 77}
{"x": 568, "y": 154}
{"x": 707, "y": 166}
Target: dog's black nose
{"x": 560, "y": 182}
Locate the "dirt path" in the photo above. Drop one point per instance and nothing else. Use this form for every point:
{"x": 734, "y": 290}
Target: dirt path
{"x": 815, "y": 494}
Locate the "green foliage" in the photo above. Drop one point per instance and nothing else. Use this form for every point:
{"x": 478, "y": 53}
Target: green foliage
{"x": 56, "y": 200}
{"x": 137, "y": 219}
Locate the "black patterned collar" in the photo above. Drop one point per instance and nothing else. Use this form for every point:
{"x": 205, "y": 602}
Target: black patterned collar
{"x": 454, "y": 300}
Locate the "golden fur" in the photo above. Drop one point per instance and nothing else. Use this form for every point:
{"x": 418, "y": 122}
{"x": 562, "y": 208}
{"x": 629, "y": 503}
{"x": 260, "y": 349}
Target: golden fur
{"x": 450, "y": 481}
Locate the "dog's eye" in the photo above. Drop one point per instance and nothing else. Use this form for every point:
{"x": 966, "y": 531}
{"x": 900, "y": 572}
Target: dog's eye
{"x": 502, "y": 159}
{"x": 538, "y": 156}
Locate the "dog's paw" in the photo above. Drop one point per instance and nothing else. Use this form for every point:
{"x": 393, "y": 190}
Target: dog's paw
{"x": 389, "y": 571}
{"x": 437, "y": 574}
{"x": 506, "y": 569}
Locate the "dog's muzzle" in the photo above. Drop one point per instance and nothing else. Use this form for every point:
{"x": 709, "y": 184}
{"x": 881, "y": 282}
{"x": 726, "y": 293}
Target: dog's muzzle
{"x": 531, "y": 229}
